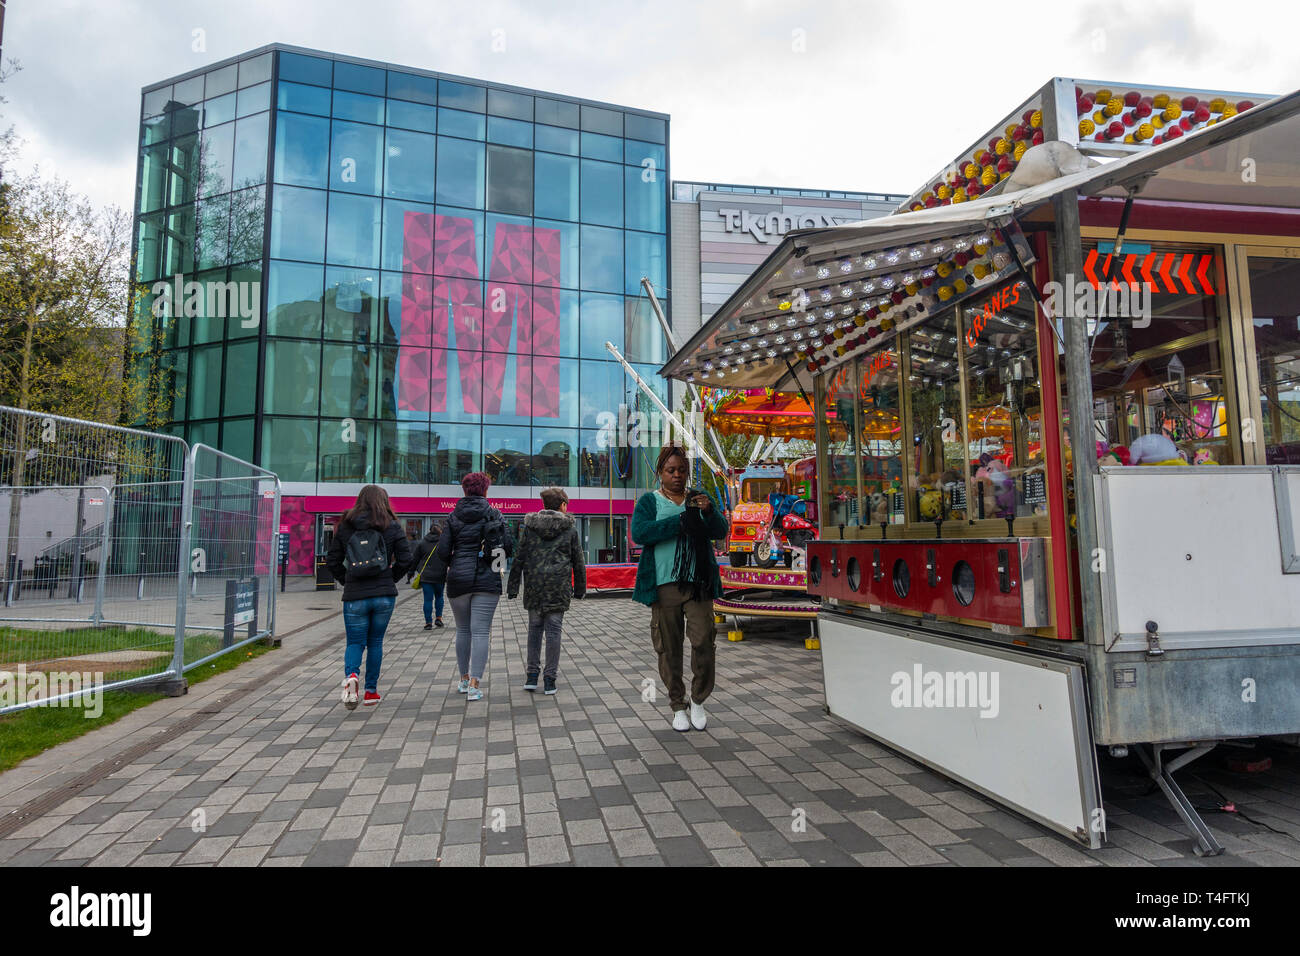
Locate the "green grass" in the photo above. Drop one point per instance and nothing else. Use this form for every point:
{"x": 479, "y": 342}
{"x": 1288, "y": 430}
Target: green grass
{"x": 21, "y": 645}
{"x": 35, "y": 730}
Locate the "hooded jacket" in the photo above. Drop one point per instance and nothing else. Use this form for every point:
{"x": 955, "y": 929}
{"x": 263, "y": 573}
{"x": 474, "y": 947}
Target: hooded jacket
{"x": 380, "y": 585}
{"x": 550, "y": 561}
{"x": 426, "y": 563}
{"x": 458, "y": 548}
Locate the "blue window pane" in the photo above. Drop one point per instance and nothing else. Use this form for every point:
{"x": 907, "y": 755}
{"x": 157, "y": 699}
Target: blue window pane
{"x": 247, "y": 223}
{"x": 451, "y": 235}
{"x": 517, "y": 106}
{"x": 509, "y": 132}
{"x": 602, "y": 193}
{"x": 303, "y": 99}
{"x": 648, "y": 128}
{"x": 602, "y": 321}
{"x": 413, "y": 116}
{"x": 305, "y": 69}
{"x": 602, "y": 390}
{"x": 408, "y": 86}
{"x": 359, "y": 79}
{"x": 510, "y": 180}
{"x": 460, "y": 172}
{"x": 555, "y": 140}
{"x": 602, "y": 147}
{"x": 462, "y": 97}
{"x": 301, "y": 150}
{"x": 356, "y": 158}
{"x": 650, "y": 375}
{"x": 602, "y": 259}
{"x": 459, "y": 123}
{"x": 292, "y": 378}
{"x": 213, "y": 233}
{"x": 289, "y": 446}
{"x": 294, "y": 296}
{"x": 250, "y": 151}
{"x": 643, "y": 336}
{"x": 636, "y": 153}
{"x": 556, "y": 188}
{"x": 646, "y": 199}
{"x": 507, "y": 456}
{"x": 351, "y": 304}
{"x": 400, "y": 220}
{"x": 555, "y": 456}
{"x": 218, "y": 153}
{"x": 456, "y": 451}
{"x": 646, "y": 256}
{"x": 548, "y": 236}
{"x": 253, "y": 100}
{"x": 409, "y": 165}
{"x": 155, "y": 130}
{"x": 220, "y": 110}
{"x": 298, "y": 224}
{"x": 566, "y": 342}
{"x": 354, "y": 226}
{"x": 188, "y": 92}
{"x": 220, "y": 82}
{"x": 355, "y": 106}
{"x": 254, "y": 70}
{"x": 555, "y": 113}
{"x": 597, "y": 120}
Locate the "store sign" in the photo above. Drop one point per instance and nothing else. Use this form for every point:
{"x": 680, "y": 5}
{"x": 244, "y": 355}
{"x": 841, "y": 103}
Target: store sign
{"x": 1002, "y": 299}
{"x": 768, "y": 227}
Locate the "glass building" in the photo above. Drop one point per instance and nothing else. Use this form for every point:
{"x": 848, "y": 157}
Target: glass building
{"x": 354, "y": 272}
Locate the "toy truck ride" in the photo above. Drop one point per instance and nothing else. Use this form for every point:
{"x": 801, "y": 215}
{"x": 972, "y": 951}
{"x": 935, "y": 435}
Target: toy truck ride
{"x": 769, "y": 522}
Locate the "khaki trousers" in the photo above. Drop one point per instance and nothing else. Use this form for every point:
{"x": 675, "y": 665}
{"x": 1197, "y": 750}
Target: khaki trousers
{"x": 674, "y": 617}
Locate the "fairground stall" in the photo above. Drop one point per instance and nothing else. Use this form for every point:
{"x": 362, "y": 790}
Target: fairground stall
{"x": 1058, "y": 407}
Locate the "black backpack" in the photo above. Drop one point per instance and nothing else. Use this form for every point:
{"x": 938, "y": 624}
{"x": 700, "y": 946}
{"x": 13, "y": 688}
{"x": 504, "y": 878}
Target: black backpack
{"x": 493, "y": 537}
{"x": 367, "y": 554}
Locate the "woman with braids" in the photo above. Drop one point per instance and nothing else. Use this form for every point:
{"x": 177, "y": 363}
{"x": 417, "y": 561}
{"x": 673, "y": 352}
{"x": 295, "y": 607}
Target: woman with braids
{"x": 677, "y": 578}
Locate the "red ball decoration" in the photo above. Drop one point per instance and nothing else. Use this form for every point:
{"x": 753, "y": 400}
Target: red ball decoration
{"x": 1244, "y": 105}
{"x": 897, "y": 296}
{"x": 1190, "y": 102}
{"x": 812, "y": 366}
{"x": 1037, "y": 137}
{"x": 1129, "y": 119}
{"x": 961, "y": 259}
{"x": 1115, "y": 130}
{"x": 974, "y": 189}
{"x": 985, "y": 158}
{"x": 1005, "y": 164}
{"x": 1202, "y": 114}
{"x": 1173, "y": 132}
{"x": 927, "y": 281}
{"x": 1143, "y": 110}
{"x": 931, "y": 202}
{"x": 1078, "y": 92}
{"x": 993, "y": 144}
{"x": 1132, "y": 98}
{"x": 873, "y": 331}
{"x": 1020, "y": 132}
{"x": 1084, "y": 105}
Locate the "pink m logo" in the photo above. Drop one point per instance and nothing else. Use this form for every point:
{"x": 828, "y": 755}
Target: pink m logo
{"x": 523, "y": 297}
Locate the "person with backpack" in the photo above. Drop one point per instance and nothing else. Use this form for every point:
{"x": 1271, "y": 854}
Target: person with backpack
{"x": 368, "y": 556}
{"x": 474, "y": 547}
{"x": 550, "y": 562}
{"x": 431, "y": 574}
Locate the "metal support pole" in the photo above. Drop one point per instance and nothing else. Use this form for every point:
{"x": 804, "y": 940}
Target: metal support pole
{"x": 1078, "y": 380}
{"x": 183, "y": 564}
{"x": 74, "y": 582}
{"x": 104, "y": 552}
{"x": 139, "y": 583}
{"x": 270, "y": 570}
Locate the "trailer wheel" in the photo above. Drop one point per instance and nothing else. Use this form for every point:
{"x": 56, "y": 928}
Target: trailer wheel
{"x": 763, "y": 555}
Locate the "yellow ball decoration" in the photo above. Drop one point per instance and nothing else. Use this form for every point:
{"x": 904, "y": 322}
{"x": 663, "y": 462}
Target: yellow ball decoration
{"x": 1229, "y": 110}
{"x": 970, "y": 170}
{"x": 945, "y": 293}
{"x": 981, "y": 248}
{"x": 1010, "y": 130}
{"x": 784, "y": 306}
{"x": 944, "y": 269}
{"x": 1217, "y": 104}
{"x": 1036, "y": 119}
{"x": 1002, "y": 147}
{"x": 959, "y": 285}
{"x": 960, "y": 195}
{"x": 886, "y": 324}
{"x": 859, "y": 320}
{"x": 1086, "y": 127}
{"x": 1113, "y": 106}
{"x": 911, "y": 288}
{"x": 1160, "y": 102}
{"x": 1019, "y": 151}
{"x": 839, "y": 333}
{"x": 1128, "y": 138}
{"x": 1144, "y": 132}
{"x": 944, "y": 191}
{"x": 1172, "y": 112}
{"x": 1099, "y": 116}
{"x": 1158, "y": 121}
{"x": 989, "y": 176}
{"x": 980, "y": 270}
{"x": 1006, "y": 175}
{"x": 1103, "y": 95}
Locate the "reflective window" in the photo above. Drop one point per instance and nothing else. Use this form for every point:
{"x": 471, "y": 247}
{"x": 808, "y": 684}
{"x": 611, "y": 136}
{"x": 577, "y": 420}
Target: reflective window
{"x": 409, "y": 162}
{"x": 255, "y": 99}
{"x": 247, "y": 223}
{"x": 593, "y": 459}
{"x": 602, "y": 390}
{"x": 456, "y": 385}
{"x": 555, "y": 456}
{"x": 596, "y": 146}
{"x": 358, "y": 107}
{"x": 412, "y": 116}
{"x": 509, "y": 248}
{"x": 154, "y": 101}
{"x": 220, "y": 110}
{"x": 218, "y": 151}
{"x": 556, "y": 189}
{"x": 250, "y": 152}
{"x": 154, "y": 176}
{"x": 408, "y": 233}
{"x": 295, "y": 296}
{"x": 204, "y": 309}
{"x": 509, "y": 180}
{"x": 188, "y": 92}
{"x": 383, "y": 375}
{"x": 213, "y": 235}
{"x": 646, "y": 155}
{"x": 289, "y": 447}
{"x": 237, "y": 437}
{"x": 647, "y": 128}
{"x": 934, "y": 386}
{"x": 461, "y": 96}
{"x": 205, "y": 382}
{"x": 460, "y": 173}
{"x": 555, "y": 321}
{"x": 356, "y": 155}
{"x": 354, "y": 223}
{"x": 555, "y": 112}
{"x": 298, "y": 224}
{"x": 254, "y": 70}
{"x": 602, "y": 321}
{"x": 646, "y": 200}
{"x": 458, "y": 244}
{"x": 359, "y": 79}
{"x": 247, "y": 279}
{"x": 507, "y": 456}
{"x": 155, "y": 130}
{"x": 597, "y": 120}
{"x": 180, "y": 242}
{"x": 509, "y": 132}
{"x": 241, "y": 369}
{"x": 303, "y": 99}
{"x": 459, "y": 123}
{"x": 508, "y": 386}
{"x": 305, "y": 69}
{"x": 301, "y": 150}
{"x": 186, "y": 170}
{"x": 345, "y": 389}
{"x": 405, "y": 453}
{"x": 1274, "y": 283}
{"x": 185, "y": 121}
{"x": 555, "y": 254}
{"x": 646, "y": 256}
{"x": 602, "y": 193}
{"x": 351, "y": 299}
{"x": 517, "y": 106}
{"x": 345, "y": 451}
{"x": 555, "y": 140}
{"x": 602, "y": 259}
{"x": 643, "y": 335}
{"x": 455, "y": 451}
{"x": 408, "y": 86}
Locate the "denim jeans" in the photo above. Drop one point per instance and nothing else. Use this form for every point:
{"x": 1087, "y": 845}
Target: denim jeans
{"x": 474, "y": 613}
{"x": 365, "y": 622}
{"x": 432, "y": 594}
{"x": 550, "y": 625}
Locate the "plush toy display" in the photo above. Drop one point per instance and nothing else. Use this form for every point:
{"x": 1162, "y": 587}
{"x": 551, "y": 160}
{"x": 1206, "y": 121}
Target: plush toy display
{"x": 1157, "y": 449}
{"x": 1204, "y": 457}
{"x": 879, "y": 508}
{"x": 930, "y": 504}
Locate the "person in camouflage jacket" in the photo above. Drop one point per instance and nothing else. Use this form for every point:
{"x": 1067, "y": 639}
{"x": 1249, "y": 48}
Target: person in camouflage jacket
{"x": 550, "y": 562}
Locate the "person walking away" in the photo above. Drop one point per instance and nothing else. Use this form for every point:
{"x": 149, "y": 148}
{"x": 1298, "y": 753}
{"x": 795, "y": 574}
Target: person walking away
{"x": 551, "y": 564}
{"x": 433, "y": 576}
{"x": 677, "y": 578}
{"x": 474, "y": 547}
{"x": 368, "y": 556}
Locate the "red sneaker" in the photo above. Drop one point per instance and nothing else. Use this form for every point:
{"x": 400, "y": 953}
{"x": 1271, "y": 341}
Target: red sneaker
{"x": 371, "y": 698}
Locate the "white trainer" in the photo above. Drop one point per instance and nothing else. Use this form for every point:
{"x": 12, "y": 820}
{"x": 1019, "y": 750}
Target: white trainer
{"x": 698, "y": 717}
{"x": 350, "y": 686}
{"x": 680, "y": 720}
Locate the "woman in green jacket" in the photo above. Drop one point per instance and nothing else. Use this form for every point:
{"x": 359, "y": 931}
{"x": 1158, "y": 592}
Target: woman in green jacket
{"x": 677, "y": 578}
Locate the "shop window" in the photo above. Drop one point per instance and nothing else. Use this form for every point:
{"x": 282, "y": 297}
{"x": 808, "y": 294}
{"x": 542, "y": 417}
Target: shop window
{"x": 880, "y": 437}
{"x": 345, "y": 451}
{"x": 510, "y": 180}
{"x": 354, "y": 226}
{"x": 455, "y": 451}
{"x": 507, "y": 456}
{"x": 294, "y": 298}
{"x": 938, "y": 487}
{"x": 356, "y": 157}
{"x": 1275, "y": 306}
{"x": 839, "y": 438}
{"x": 459, "y": 180}
{"x": 555, "y": 457}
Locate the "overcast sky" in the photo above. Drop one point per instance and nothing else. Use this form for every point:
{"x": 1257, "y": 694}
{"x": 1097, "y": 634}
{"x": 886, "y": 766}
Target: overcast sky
{"x": 833, "y": 94}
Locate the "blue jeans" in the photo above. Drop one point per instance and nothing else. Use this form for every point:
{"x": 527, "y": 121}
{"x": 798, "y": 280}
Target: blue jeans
{"x": 432, "y": 594}
{"x": 365, "y": 622}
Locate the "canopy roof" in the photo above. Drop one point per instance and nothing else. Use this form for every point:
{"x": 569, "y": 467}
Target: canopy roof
{"x": 826, "y": 295}
{"x": 759, "y": 411}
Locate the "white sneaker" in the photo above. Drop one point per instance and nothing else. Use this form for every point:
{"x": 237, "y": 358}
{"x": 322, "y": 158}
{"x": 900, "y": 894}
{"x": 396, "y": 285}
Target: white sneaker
{"x": 698, "y": 717}
{"x": 680, "y": 720}
{"x": 350, "y": 687}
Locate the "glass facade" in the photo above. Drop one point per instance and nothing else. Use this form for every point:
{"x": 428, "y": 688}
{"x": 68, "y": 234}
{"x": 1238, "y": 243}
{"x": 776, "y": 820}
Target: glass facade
{"x": 438, "y": 267}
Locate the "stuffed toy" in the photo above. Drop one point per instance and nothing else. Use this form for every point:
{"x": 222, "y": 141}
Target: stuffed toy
{"x": 1205, "y": 457}
{"x": 930, "y": 504}
{"x": 879, "y": 508}
{"x": 1115, "y": 455}
{"x": 1157, "y": 449}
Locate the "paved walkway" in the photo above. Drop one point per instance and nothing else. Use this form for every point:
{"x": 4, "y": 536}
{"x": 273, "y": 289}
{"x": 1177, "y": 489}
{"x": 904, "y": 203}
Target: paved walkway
{"x": 279, "y": 773}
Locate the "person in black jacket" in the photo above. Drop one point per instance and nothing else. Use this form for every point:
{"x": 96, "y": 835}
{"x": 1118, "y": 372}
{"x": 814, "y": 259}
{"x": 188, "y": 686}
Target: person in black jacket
{"x": 368, "y": 556}
{"x": 474, "y": 547}
{"x": 433, "y": 575}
